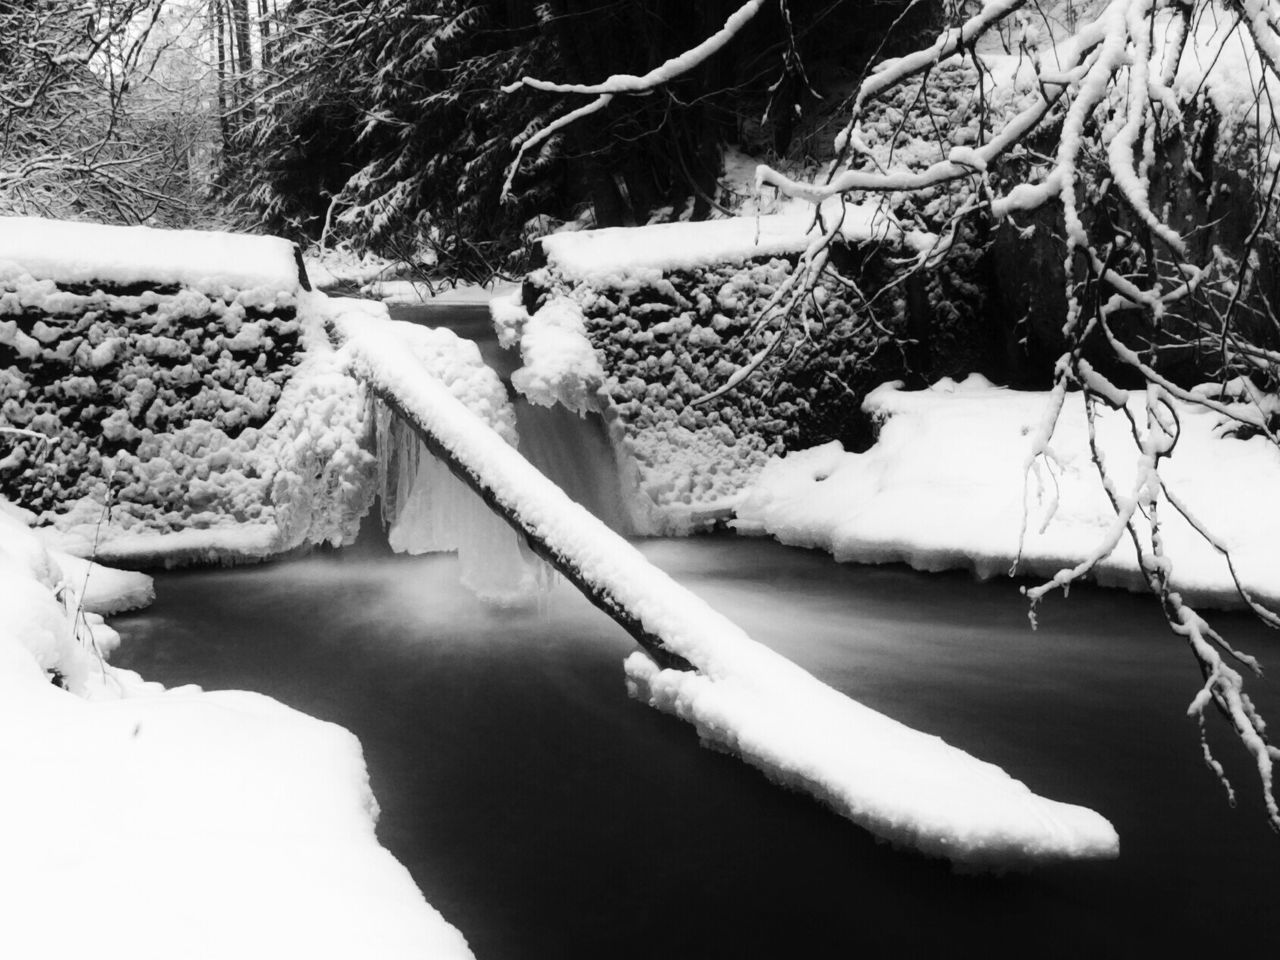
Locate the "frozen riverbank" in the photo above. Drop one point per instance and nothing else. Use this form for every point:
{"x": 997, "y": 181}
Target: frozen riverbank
{"x": 139, "y": 822}
{"x": 948, "y": 484}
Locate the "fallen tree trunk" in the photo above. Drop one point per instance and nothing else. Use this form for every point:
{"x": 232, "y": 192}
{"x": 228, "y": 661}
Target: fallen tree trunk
{"x": 904, "y": 786}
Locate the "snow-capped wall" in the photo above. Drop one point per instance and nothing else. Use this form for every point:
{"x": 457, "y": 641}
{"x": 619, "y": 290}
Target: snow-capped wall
{"x": 97, "y": 255}
{"x": 172, "y": 395}
{"x": 641, "y": 341}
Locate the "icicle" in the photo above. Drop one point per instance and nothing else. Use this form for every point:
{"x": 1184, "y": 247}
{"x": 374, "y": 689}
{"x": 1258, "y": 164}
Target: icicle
{"x": 428, "y": 510}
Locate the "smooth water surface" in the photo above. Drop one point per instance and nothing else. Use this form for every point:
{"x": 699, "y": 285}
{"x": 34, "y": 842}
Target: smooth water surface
{"x": 547, "y": 815}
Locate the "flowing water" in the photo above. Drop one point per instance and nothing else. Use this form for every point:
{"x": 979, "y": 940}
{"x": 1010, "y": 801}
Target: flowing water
{"x": 547, "y": 815}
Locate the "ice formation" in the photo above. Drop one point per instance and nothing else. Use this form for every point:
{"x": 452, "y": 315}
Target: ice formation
{"x": 429, "y": 510}
{"x": 425, "y": 507}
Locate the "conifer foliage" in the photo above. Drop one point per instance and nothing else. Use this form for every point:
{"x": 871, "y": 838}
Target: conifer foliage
{"x": 384, "y": 122}
{"x": 385, "y": 126}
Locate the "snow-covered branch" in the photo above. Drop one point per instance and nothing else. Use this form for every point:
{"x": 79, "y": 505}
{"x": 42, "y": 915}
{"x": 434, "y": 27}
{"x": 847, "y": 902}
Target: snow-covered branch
{"x": 1081, "y": 127}
{"x": 623, "y": 83}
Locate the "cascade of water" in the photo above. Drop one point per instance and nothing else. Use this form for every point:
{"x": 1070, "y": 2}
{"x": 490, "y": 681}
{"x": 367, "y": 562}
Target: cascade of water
{"x": 575, "y": 453}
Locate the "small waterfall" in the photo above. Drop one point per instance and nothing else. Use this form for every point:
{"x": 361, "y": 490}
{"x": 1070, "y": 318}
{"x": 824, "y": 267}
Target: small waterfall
{"x": 575, "y": 453}
{"x": 572, "y": 451}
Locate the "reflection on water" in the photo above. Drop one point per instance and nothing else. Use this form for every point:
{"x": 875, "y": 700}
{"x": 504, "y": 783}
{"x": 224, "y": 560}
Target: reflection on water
{"x": 547, "y": 815}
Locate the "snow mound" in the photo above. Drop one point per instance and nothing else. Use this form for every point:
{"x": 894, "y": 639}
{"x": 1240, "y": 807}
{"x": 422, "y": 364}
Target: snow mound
{"x": 206, "y": 825}
{"x": 560, "y": 365}
{"x": 206, "y": 261}
{"x": 945, "y": 486}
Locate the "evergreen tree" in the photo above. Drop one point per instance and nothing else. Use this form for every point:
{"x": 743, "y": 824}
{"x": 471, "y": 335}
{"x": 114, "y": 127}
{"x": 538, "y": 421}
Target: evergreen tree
{"x": 388, "y": 128}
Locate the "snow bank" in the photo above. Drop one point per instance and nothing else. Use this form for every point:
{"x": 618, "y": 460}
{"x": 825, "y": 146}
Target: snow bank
{"x": 86, "y": 253}
{"x": 944, "y": 487}
{"x": 105, "y": 590}
{"x": 137, "y": 822}
{"x": 905, "y": 786}
{"x": 601, "y": 255}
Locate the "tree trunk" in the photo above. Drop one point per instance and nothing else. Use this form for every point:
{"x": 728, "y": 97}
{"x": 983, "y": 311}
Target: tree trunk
{"x": 225, "y": 96}
{"x": 244, "y": 59}
{"x": 264, "y": 34}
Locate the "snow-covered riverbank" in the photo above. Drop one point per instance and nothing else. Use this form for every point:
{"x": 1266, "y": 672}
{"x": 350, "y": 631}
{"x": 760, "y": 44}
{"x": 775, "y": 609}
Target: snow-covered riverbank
{"x": 140, "y": 822}
{"x": 947, "y": 485}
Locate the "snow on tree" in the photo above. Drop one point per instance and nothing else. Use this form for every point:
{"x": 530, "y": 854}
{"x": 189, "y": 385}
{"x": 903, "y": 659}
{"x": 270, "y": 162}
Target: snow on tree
{"x": 84, "y": 132}
{"x": 380, "y": 124}
{"x": 1133, "y": 143}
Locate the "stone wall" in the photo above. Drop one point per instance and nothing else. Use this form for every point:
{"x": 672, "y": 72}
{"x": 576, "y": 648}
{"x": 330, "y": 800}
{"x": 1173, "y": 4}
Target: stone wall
{"x": 172, "y": 421}
{"x": 664, "y": 341}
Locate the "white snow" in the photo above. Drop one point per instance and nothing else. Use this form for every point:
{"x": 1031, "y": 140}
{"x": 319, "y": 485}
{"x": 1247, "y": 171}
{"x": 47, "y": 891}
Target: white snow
{"x": 944, "y": 487}
{"x": 611, "y": 255}
{"x": 142, "y": 823}
{"x": 905, "y": 786}
{"x": 559, "y": 363}
{"x": 105, "y": 590}
{"x": 207, "y": 261}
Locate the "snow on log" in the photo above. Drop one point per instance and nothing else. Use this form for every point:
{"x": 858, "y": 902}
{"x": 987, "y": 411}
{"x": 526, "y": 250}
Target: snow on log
{"x": 902, "y": 785}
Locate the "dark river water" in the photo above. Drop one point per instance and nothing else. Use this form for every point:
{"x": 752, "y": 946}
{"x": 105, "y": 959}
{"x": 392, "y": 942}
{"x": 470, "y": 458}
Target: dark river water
{"x": 547, "y": 815}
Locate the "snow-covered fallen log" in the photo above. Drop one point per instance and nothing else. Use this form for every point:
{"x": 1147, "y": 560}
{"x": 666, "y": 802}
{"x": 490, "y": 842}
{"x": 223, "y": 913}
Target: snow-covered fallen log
{"x": 902, "y": 785}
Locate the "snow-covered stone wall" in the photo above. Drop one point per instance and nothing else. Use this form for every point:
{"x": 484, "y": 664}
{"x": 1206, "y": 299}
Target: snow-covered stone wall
{"x": 642, "y": 344}
{"x": 171, "y": 394}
